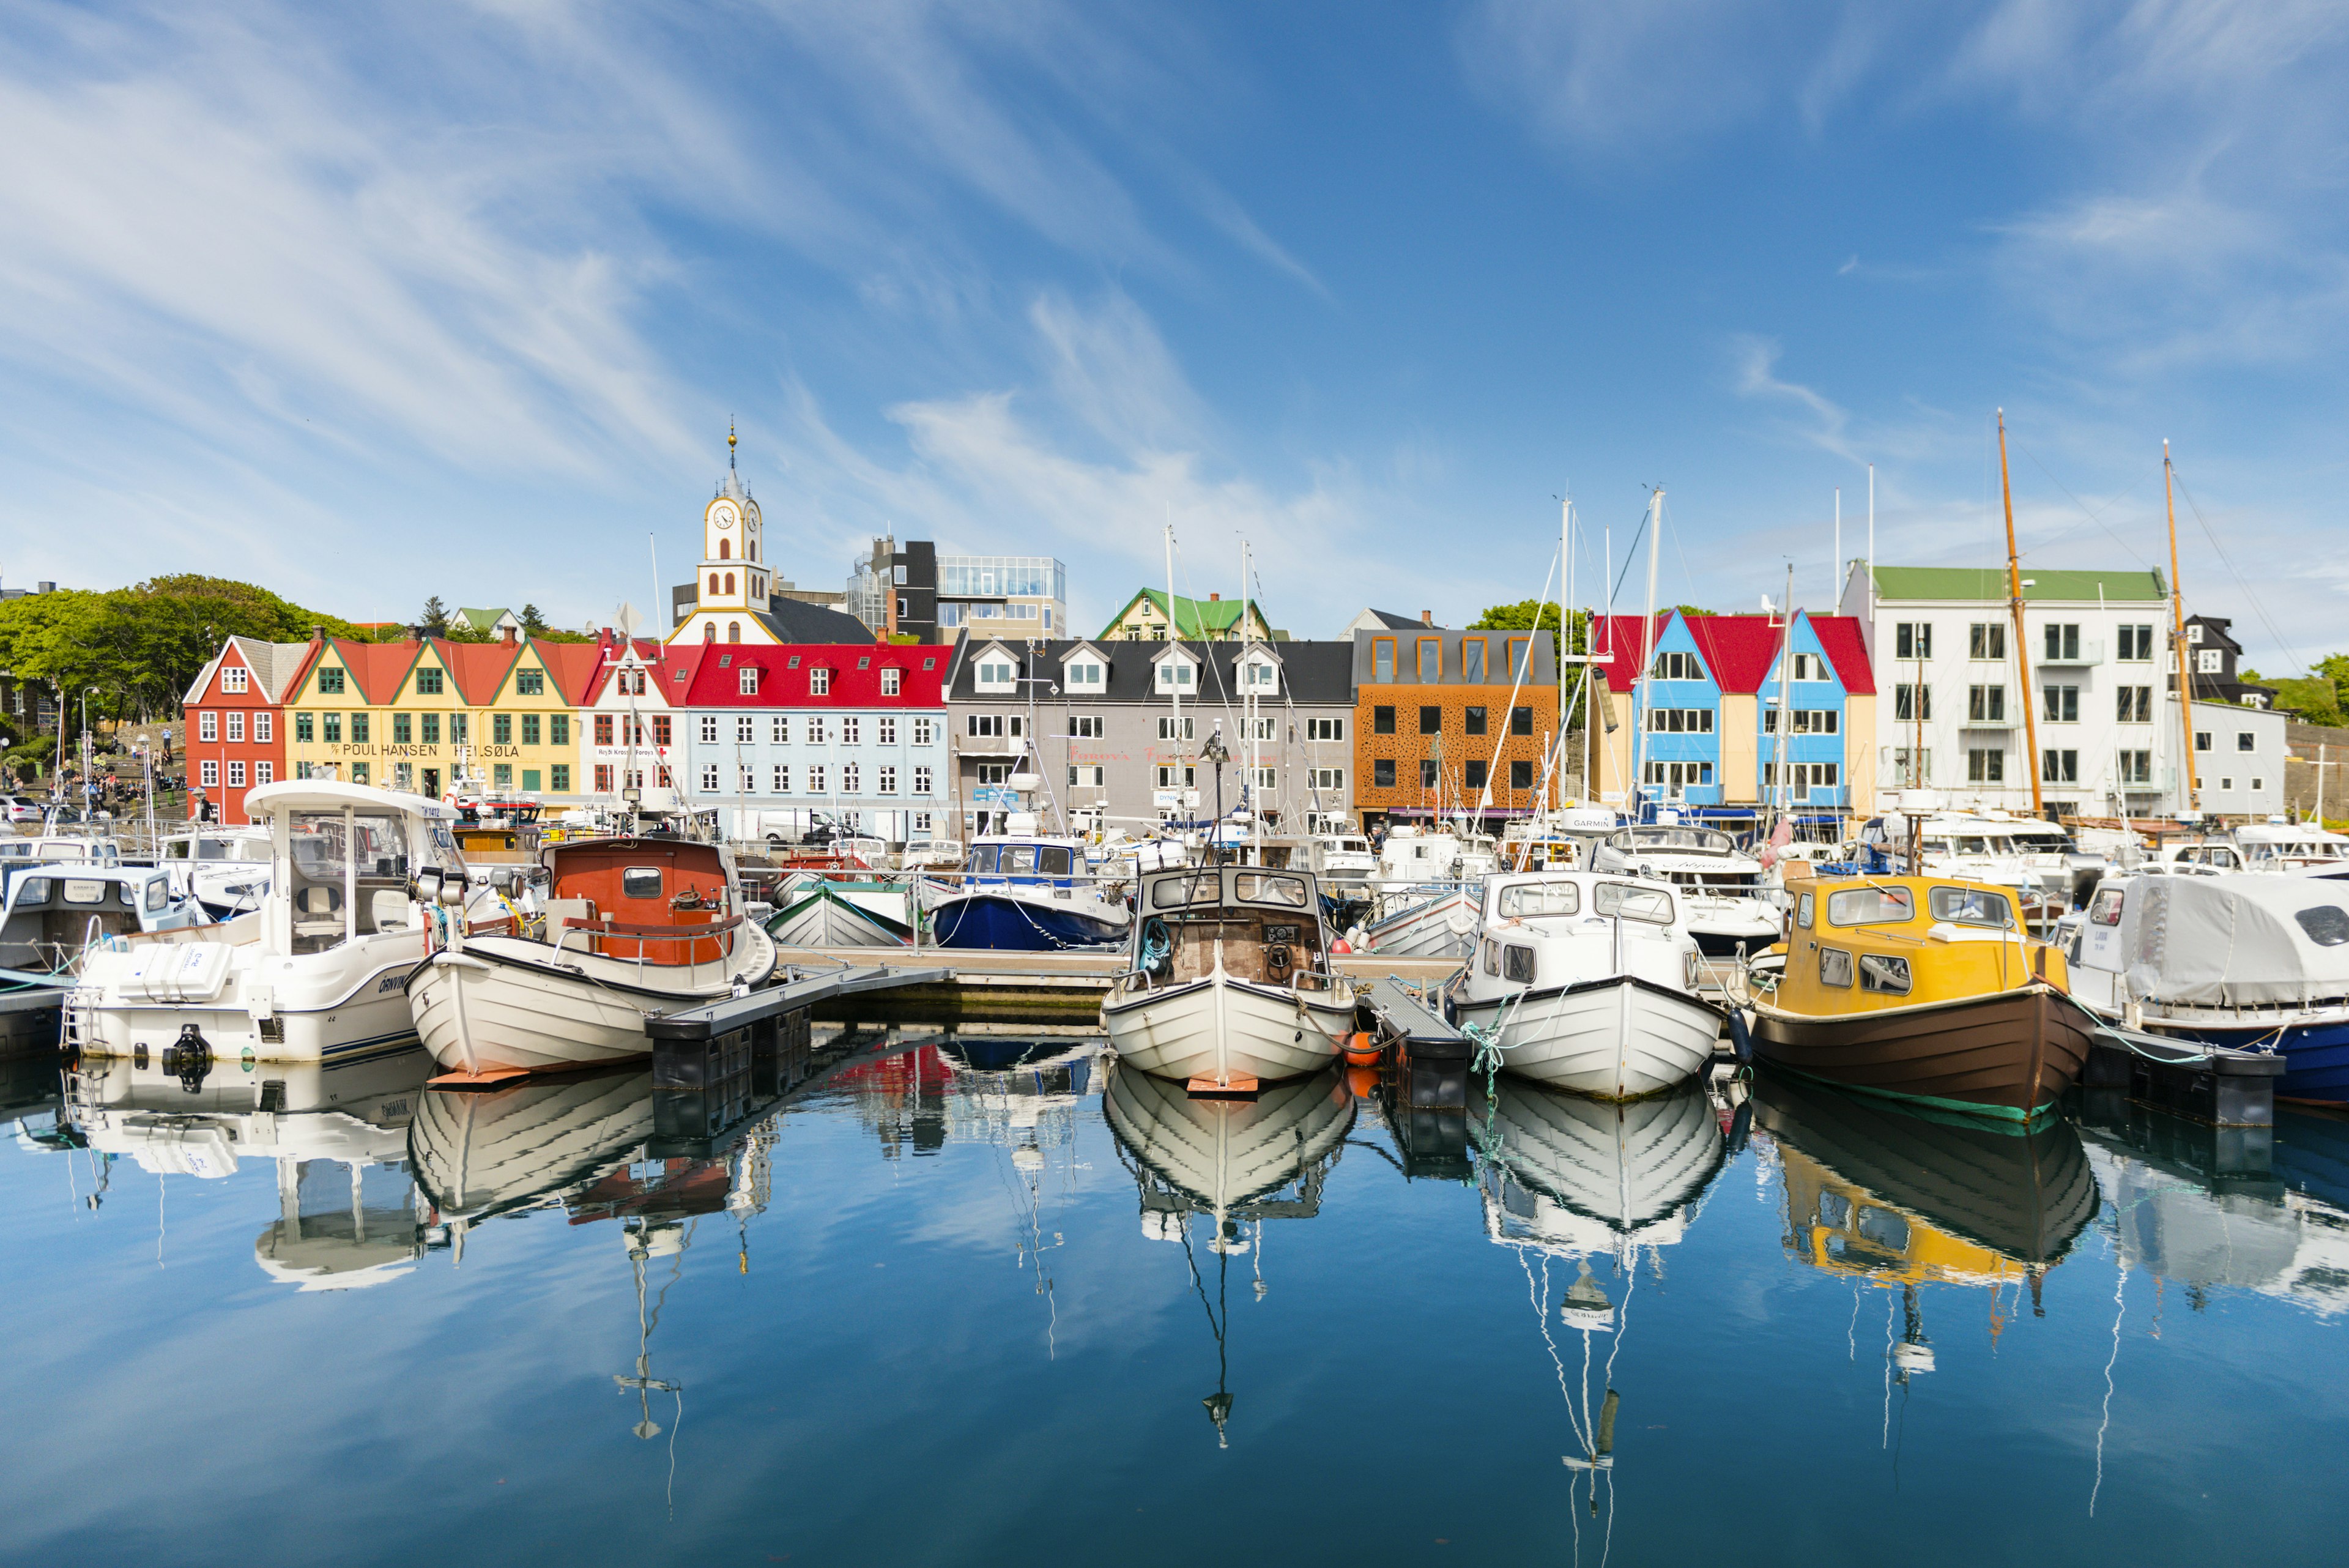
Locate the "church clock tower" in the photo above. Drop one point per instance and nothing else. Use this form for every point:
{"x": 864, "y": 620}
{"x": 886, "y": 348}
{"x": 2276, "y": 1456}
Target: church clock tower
{"x": 732, "y": 588}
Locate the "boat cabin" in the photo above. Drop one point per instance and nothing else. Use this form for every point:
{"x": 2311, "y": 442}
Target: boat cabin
{"x": 1002, "y": 859}
{"x": 1864, "y": 944}
{"x": 349, "y": 862}
{"x": 50, "y": 915}
{"x": 652, "y": 900}
{"x": 1266, "y": 924}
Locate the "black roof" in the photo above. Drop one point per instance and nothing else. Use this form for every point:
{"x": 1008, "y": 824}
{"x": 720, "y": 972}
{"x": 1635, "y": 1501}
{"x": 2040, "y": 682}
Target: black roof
{"x": 1312, "y": 674}
{"x": 1394, "y": 622}
{"x": 794, "y": 620}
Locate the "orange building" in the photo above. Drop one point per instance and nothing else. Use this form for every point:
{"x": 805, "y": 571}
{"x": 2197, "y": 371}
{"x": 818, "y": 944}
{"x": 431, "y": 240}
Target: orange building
{"x": 1451, "y": 721}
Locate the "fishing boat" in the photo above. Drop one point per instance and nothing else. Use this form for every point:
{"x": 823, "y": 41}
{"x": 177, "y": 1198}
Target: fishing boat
{"x": 1440, "y": 923}
{"x": 634, "y": 927}
{"x": 1922, "y": 989}
{"x": 2247, "y": 960}
{"x": 357, "y": 877}
{"x": 1024, "y": 891}
{"x": 1574, "y": 1175}
{"x": 1720, "y": 887}
{"x": 225, "y": 870}
{"x": 816, "y": 913}
{"x": 1229, "y": 982}
{"x": 50, "y": 919}
{"x": 1588, "y": 981}
{"x": 533, "y": 1142}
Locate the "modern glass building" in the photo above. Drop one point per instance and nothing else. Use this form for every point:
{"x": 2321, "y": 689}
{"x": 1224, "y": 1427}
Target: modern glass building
{"x": 916, "y": 591}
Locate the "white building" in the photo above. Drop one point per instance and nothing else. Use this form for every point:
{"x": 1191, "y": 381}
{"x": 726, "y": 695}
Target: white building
{"x": 1951, "y": 693}
{"x": 2239, "y": 756}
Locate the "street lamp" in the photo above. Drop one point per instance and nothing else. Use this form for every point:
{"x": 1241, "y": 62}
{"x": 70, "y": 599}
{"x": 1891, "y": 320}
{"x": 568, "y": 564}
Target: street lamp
{"x": 1214, "y": 752}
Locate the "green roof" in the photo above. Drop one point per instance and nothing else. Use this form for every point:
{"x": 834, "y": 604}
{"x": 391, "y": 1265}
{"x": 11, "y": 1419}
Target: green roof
{"x": 1989, "y": 585}
{"x": 1191, "y": 617}
{"x": 481, "y": 619}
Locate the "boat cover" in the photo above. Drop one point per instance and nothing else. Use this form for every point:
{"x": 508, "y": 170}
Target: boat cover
{"x": 2237, "y": 940}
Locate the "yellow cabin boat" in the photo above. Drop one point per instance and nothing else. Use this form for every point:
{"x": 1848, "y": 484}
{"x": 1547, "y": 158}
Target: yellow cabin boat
{"x": 1922, "y": 988}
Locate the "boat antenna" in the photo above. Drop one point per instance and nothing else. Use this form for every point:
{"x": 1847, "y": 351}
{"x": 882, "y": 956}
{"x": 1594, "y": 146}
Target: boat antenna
{"x": 2022, "y": 654}
{"x": 1648, "y": 652}
{"x": 2177, "y": 641}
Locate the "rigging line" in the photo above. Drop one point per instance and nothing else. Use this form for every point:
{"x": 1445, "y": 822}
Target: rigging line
{"x": 2120, "y": 1309}
{"x": 1630, "y": 553}
{"x": 2257, "y": 609}
{"x": 2096, "y": 517}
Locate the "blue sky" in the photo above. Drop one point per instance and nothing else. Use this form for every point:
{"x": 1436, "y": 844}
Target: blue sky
{"x": 459, "y": 299}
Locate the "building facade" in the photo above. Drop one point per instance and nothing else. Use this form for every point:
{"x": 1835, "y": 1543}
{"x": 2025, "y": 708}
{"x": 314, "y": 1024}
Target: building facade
{"x": 1147, "y": 616}
{"x": 1123, "y": 732}
{"x": 1451, "y": 721}
{"x": 1744, "y": 710}
{"x": 2239, "y": 759}
{"x": 917, "y": 593}
{"x": 441, "y": 717}
{"x": 777, "y": 738}
{"x": 631, "y": 725}
{"x": 234, "y": 714}
{"x": 1942, "y": 641}
{"x": 2217, "y": 660}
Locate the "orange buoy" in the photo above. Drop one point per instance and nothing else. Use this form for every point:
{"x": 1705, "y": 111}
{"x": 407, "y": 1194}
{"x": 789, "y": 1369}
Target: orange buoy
{"x": 1362, "y": 1081}
{"x": 1341, "y": 946}
{"x": 1362, "y": 1051}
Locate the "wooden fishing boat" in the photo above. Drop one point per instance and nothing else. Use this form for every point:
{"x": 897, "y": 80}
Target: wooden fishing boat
{"x": 825, "y": 915}
{"x": 1921, "y": 989}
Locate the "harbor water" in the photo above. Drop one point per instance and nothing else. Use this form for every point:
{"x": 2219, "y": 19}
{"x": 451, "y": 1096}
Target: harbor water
{"x": 985, "y": 1299}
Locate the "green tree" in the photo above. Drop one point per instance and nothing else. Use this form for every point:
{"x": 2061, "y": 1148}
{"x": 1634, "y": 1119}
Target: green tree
{"x": 436, "y": 618}
{"x": 533, "y": 623}
{"x": 1541, "y": 614}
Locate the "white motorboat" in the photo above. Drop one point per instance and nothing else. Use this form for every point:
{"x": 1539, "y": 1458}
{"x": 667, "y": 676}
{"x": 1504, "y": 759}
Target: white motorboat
{"x": 53, "y": 916}
{"x": 1230, "y": 980}
{"x": 1578, "y": 1177}
{"x": 1721, "y": 895}
{"x": 635, "y": 928}
{"x": 1588, "y": 981}
{"x": 2036, "y": 860}
{"x": 225, "y": 870}
{"x": 1441, "y": 924}
{"x": 1024, "y": 891}
{"x": 2301, "y": 849}
{"x": 814, "y": 913}
{"x": 1413, "y": 856}
{"x": 355, "y": 877}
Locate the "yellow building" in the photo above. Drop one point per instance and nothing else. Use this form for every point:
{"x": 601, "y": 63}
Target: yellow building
{"x": 441, "y": 718}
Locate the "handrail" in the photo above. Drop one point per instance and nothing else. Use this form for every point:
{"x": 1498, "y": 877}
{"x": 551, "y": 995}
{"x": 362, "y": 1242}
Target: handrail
{"x": 650, "y": 933}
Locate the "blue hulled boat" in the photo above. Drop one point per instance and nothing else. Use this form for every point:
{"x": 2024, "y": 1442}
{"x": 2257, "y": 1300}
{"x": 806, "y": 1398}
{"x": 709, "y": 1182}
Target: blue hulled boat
{"x": 1023, "y": 893}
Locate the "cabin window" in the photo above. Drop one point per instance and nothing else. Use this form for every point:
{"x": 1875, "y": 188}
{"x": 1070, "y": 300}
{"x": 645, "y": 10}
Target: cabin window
{"x": 1803, "y": 911}
{"x": 1517, "y": 964}
{"x": 1019, "y": 859}
{"x": 1175, "y": 891}
{"x": 1884, "y": 972}
{"x": 1630, "y": 901}
{"x": 1532, "y": 901}
{"x": 1491, "y": 957}
{"x": 84, "y": 891}
{"x": 157, "y": 891}
{"x": 982, "y": 858}
{"x": 1870, "y": 906}
{"x": 1290, "y": 890}
{"x": 1052, "y": 859}
{"x": 640, "y": 882}
{"x": 1834, "y": 967}
{"x": 2327, "y": 925}
{"x": 2106, "y": 909}
{"x": 1970, "y": 906}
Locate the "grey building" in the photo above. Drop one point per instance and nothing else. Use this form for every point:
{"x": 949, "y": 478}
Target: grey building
{"x": 1098, "y": 720}
{"x": 2238, "y": 757}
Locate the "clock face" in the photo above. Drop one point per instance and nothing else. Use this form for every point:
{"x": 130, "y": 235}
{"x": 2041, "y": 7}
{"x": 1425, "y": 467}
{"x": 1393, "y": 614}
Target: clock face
{"x": 724, "y": 517}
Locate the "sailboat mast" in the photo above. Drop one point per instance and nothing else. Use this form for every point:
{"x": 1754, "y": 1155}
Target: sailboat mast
{"x": 2021, "y": 653}
{"x": 1783, "y": 797}
{"x": 2177, "y": 641}
{"x": 1647, "y": 638}
{"x": 1247, "y": 701}
{"x": 1174, "y": 647}
{"x": 1564, "y": 635}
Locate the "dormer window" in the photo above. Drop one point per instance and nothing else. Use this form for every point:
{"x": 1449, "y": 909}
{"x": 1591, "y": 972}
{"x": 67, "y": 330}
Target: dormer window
{"x": 1085, "y": 674}
{"x": 1175, "y": 675}
{"x": 819, "y": 682}
{"x": 747, "y": 680}
{"x": 889, "y": 679}
{"x": 997, "y": 674}
{"x": 233, "y": 680}
{"x": 1260, "y": 675}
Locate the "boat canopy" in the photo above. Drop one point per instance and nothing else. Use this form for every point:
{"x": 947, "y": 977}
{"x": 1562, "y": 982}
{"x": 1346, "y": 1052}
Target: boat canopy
{"x": 2231, "y": 941}
{"x": 1227, "y": 884}
{"x": 291, "y": 795}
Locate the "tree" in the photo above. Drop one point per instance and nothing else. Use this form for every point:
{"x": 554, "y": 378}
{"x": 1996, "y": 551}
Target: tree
{"x": 436, "y": 618}
{"x": 533, "y": 623}
{"x": 1529, "y": 615}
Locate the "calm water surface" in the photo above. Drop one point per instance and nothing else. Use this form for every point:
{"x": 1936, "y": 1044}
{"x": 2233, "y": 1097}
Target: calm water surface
{"x": 946, "y": 1305}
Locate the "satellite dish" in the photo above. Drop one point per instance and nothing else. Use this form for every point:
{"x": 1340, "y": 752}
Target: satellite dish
{"x": 627, "y": 621}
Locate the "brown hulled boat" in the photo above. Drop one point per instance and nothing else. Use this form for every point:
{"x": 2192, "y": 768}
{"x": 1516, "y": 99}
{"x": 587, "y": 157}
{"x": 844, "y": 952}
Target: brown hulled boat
{"x": 1921, "y": 989}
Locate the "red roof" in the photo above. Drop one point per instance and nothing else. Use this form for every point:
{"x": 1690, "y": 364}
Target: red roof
{"x": 1739, "y": 650}
{"x": 576, "y": 667}
{"x": 662, "y": 664}
{"x": 783, "y": 673}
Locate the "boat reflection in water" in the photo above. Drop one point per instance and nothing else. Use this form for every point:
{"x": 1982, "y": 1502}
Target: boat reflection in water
{"x": 1235, "y": 1162}
{"x": 587, "y": 1145}
{"x": 1898, "y": 1199}
{"x": 348, "y": 1215}
{"x": 1570, "y": 1179}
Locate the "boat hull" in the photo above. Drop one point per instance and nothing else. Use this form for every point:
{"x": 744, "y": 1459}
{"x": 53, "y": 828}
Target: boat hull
{"x": 1001, "y": 923}
{"x": 2010, "y": 1055}
{"x": 1220, "y": 1028}
{"x": 1440, "y": 927}
{"x": 1596, "y": 1174}
{"x": 345, "y": 1002}
{"x": 824, "y": 918}
{"x": 2315, "y": 1055}
{"x": 1616, "y": 1038}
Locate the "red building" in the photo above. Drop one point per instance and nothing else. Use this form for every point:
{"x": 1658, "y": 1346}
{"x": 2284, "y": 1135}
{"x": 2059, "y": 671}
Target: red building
{"x": 236, "y": 725}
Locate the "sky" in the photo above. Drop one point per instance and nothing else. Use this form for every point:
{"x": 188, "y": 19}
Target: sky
{"x": 370, "y": 304}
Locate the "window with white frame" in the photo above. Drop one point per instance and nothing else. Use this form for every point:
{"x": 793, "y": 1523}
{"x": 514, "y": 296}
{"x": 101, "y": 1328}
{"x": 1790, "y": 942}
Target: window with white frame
{"x": 236, "y": 775}
{"x": 1809, "y": 667}
{"x": 922, "y": 781}
{"x": 211, "y": 774}
{"x": 1265, "y": 778}
{"x": 749, "y": 784}
{"x": 984, "y": 726}
{"x": 778, "y": 729}
{"x": 1085, "y": 674}
{"x": 2136, "y": 767}
{"x": 852, "y": 731}
{"x": 709, "y": 727}
{"x": 1986, "y": 704}
{"x": 232, "y": 678}
{"x": 1913, "y": 640}
{"x": 236, "y": 724}
{"x": 1680, "y": 721}
{"x": 1260, "y": 675}
{"x": 264, "y": 772}
{"x": 1680, "y": 776}
{"x": 747, "y": 682}
{"x": 1912, "y": 703}
{"x": 996, "y": 675}
{"x": 1332, "y": 779}
{"x": 1167, "y": 727}
{"x": 887, "y": 780}
{"x": 1325, "y": 729}
{"x": 782, "y": 778}
{"x": 1266, "y": 729}
{"x": 2059, "y": 766}
{"x": 819, "y": 682}
{"x": 746, "y": 729}
{"x": 2194, "y": 631}
{"x": 884, "y": 730}
{"x": 816, "y": 778}
{"x": 1986, "y": 639}
{"x": 848, "y": 778}
{"x": 924, "y": 733}
{"x": 2134, "y": 704}
{"x": 710, "y": 778}
{"x": 2210, "y": 661}
{"x": 1087, "y": 776}
{"x": 1085, "y": 726}
{"x": 2245, "y": 740}
{"x": 2061, "y": 705}
{"x": 1166, "y": 778}
{"x": 1807, "y": 721}
{"x": 890, "y": 677}
{"x": 2137, "y": 644}
{"x": 1677, "y": 667}
{"x": 208, "y": 726}
{"x": 1803, "y": 777}
{"x": 264, "y": 727}
{"x": 994, "y": 773}
{"x": 1175, "y": 675}
{"x": 815, "y": 730}
{"x": 1985, "y": 764}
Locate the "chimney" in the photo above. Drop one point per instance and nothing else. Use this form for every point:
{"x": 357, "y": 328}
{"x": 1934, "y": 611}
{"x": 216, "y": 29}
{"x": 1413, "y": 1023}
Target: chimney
{"x": 318, "y": 636}
{"x": 506, "y": 636}
{"x": 1427, "y": 617}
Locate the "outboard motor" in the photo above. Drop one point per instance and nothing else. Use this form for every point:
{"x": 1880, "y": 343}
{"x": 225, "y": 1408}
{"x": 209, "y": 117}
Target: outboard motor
{"x": 190, "y": 1058}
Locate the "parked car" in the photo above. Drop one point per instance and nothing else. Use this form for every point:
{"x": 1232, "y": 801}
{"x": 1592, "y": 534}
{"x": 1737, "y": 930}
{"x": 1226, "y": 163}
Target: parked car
{"x": 19, "y": 809}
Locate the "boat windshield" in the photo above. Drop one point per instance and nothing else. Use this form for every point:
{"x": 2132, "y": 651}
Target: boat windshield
{"x": 1633, "y": 901}
{"x": 1263, "y": 889}
{"x": 1534, "y": 900}
{"x": 1172, "y": 892}
{"x": 1970, "y": 906}
{"x": 1701, "y": 840}
{"x": 1870, "y": 906}
{"x": 2049, "y": 842}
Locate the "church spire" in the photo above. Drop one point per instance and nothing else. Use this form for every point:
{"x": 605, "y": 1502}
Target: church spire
{"x": 730, "y": 445}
